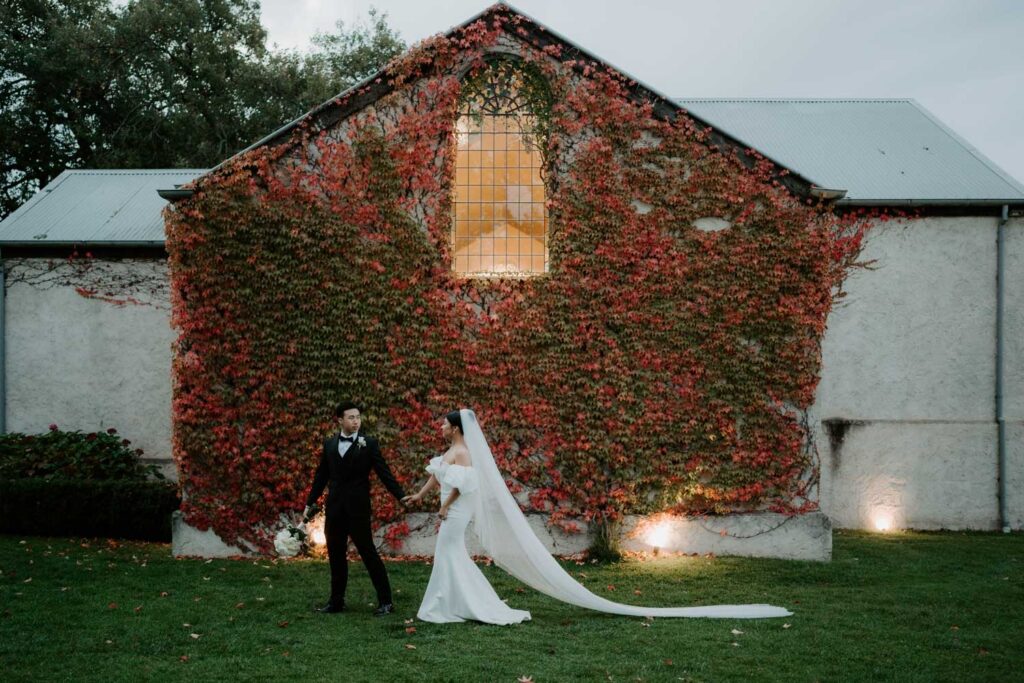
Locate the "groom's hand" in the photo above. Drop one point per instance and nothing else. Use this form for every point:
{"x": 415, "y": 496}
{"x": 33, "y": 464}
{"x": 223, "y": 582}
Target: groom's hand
{"x": 309, "y": 513}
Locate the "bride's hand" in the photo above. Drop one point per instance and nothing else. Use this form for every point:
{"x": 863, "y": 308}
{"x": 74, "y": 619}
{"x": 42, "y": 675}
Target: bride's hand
{"x": 412, "y": 498}
{"x": 443, "y": 512}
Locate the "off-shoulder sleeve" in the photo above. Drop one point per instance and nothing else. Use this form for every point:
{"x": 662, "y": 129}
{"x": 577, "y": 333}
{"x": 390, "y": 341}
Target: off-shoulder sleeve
{"x": 434, "y": 466}
{"x": 462, "y": 478}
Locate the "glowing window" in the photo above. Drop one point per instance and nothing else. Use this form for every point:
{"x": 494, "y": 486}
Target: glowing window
{"x": 500, "y": 227}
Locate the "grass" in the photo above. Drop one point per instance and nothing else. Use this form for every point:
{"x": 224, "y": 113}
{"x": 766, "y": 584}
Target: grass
{"x": 899, "y": 607}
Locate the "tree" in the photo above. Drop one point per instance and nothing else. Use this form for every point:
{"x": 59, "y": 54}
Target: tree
{"x": 156, "y": 83}
{"x": 53, "y": 78}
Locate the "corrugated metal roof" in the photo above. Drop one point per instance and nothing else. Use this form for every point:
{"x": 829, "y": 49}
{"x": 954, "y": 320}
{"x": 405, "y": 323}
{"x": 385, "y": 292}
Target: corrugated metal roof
{"x": 96, "y": 207}
{"x": 878, "y": 150}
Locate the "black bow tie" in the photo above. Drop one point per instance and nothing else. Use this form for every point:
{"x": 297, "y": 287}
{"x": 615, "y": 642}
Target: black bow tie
{"x": 350, "y": 439}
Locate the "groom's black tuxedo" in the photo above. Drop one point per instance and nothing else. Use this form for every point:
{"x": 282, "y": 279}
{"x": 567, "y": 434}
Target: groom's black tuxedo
{"x": 348, "y": 509}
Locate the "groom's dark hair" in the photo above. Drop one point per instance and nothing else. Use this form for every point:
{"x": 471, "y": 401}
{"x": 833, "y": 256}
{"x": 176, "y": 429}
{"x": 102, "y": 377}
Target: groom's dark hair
{"x": 339, "y": 410}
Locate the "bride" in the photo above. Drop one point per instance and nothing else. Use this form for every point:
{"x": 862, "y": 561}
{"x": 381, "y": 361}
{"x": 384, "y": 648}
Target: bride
{"x": 472, "y": 489}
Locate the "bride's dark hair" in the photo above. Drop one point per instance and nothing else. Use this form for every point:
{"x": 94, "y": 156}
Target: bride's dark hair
{"x": 454, "y": 418}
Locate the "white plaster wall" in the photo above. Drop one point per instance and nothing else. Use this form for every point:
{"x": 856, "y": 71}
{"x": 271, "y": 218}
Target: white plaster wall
{"x": 912, "y": 475}
{"x": 1013, "y": 403}
{"x": 910, "y": 358}
{"x": 89, "y": 365}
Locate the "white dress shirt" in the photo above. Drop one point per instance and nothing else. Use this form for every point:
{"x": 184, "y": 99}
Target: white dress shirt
{"x": 343, "y": 446}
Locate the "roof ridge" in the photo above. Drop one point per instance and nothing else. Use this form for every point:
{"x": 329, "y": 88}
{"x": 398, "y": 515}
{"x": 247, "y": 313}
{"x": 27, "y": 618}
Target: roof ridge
{"x": 794, "y": 179}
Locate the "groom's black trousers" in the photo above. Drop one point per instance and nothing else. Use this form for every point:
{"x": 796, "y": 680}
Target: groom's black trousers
{"x": 338, "y": 528}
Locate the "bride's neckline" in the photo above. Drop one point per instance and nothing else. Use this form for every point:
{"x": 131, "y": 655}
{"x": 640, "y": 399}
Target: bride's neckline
{"x": 451, "y": 462}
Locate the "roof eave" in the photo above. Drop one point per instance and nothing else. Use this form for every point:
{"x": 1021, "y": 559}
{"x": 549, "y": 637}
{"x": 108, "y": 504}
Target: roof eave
{"x": 175, "y": 194}
{"x": 81, "y": 243}
{"x": 853, "y": 201}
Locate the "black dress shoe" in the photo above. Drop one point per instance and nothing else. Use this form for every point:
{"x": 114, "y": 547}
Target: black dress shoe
{"x": 384, "y": 609}
{"x": 331, "y": 608}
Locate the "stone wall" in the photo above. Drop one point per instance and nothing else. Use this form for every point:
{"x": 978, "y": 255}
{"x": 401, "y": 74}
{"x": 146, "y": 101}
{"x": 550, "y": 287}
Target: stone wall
{"x": 803, "y": 537}
{"x": 906, "y": 408}
{"x": 89, "y": 364}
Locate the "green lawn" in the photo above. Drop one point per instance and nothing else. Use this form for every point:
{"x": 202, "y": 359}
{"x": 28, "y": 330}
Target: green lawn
{"x": 906, "y": 606}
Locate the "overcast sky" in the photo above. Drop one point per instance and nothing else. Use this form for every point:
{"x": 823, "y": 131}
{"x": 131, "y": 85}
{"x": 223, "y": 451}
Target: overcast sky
{"x": 962, "y": 59}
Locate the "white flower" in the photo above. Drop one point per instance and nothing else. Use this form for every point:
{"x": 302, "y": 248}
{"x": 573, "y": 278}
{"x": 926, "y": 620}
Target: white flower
{"x": 362, "y": 442}
{"x": 288, "y": 542}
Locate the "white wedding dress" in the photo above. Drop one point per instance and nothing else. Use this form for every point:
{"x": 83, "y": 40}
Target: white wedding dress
{"x": 457, "y": 589}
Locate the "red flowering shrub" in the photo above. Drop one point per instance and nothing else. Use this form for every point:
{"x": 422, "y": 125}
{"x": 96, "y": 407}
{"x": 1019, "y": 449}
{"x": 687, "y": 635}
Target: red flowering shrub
{"x": 657, "y": 366}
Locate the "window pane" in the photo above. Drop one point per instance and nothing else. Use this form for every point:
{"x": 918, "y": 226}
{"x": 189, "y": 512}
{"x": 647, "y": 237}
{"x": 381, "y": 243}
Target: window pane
{"x": 500, "y": 219}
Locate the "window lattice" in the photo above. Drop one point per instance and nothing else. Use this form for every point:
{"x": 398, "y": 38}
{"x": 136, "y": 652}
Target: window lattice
{"x": 500, "y": 223}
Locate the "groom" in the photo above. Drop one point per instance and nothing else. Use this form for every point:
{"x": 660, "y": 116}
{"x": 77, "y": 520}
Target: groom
{"x": 346, "y": 462}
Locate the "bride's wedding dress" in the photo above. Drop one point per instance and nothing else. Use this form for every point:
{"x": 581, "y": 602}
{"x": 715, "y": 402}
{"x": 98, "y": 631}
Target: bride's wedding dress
{"x": 457, "y": 589}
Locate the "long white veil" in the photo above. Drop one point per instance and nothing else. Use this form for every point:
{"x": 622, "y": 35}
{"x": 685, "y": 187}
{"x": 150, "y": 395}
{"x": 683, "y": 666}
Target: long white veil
{"x": 507, "y": 537}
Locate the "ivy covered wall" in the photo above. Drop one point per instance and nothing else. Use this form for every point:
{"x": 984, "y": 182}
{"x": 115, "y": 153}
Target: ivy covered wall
{"x": 663, "y": 364}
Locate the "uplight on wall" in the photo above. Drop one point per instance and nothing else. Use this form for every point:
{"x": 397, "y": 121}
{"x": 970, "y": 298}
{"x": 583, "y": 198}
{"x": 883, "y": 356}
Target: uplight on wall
{"x": 315, "y": 529}
{"x": 882, "y": 520}
{"x": 658, "y": 535}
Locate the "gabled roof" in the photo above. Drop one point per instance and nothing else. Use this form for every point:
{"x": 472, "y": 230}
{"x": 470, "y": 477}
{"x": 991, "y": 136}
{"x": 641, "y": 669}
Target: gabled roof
{"x": 377, "y": 85}
{"x": 115, "y": 207}
{"x": 881, "y": 151}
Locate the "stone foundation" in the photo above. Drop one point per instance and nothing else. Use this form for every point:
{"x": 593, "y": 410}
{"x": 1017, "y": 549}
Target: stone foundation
{"x": 803, "y": 537}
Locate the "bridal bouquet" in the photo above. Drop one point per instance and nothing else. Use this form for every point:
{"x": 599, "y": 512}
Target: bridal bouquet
{"x": 290, "y": 540}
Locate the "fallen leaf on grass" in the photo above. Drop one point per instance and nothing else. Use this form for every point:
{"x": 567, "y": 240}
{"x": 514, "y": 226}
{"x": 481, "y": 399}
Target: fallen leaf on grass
{"x": 786, "y": 625}
{"x": 735, "y": 644}
{"x": 408, "y": 621}
{"x": 282, "y": 624}
{"x": 610, "y": 587}
{"x": 138, "y": 609}
{"x": 645, "y": 624}
{"x": 668, "y": 662}
{"x": 112, "y": 605}
{"x": 183, "y": 658}
{"x": 240, "y": 605}
{"x": 410, "y": 629}
{"x": 164, "y": 594}
{"x": 954, "y": 627}
{"x": 637, "y": 591}
{"x": 410, "y": 646}
{"x": 736, "y": 632}
{"x": 982, "y": 651}
{"x": 194, "y": 636}
{"x": 28, "y": 580}
{"x": 524, "y": 679}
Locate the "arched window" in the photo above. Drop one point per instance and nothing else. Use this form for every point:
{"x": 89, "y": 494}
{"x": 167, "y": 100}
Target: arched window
{"x": 500, "y": 227}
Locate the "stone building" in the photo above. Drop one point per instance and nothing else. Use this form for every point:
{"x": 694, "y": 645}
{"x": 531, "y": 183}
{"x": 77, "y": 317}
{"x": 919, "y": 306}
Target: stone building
{"x": 920, "y": 410}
